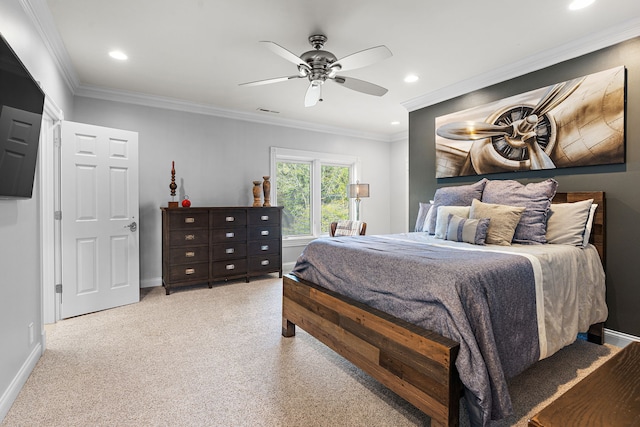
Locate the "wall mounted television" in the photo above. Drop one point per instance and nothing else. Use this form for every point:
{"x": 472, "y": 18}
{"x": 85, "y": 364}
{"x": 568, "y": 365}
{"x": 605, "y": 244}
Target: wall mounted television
{"x": 21, "y": 106}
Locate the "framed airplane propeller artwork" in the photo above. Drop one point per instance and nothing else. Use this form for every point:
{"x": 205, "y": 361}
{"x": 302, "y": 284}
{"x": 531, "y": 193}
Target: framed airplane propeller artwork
{"x": 578, "y": 122}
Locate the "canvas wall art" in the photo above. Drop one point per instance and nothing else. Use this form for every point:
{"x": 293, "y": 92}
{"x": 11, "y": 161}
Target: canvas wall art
{"x": 578, "y": 122}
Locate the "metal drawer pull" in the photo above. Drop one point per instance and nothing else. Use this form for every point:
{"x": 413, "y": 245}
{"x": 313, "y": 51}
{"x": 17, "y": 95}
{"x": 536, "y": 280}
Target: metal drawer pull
{"x": 264, "y": 247}
{"x": 230, "y": 267}
{"x": 229, "y": 250}
{"x": 230, "y": 234}
{"x": 189, "y": 220}
{"x": 189, "y": 254}
{"x": 189, "y": 237}
{"x": 265, "y": 262}
{"x": 265, "y": 217}
{"x": 264, "y": 232}
{"x": 190, "y": 271}
{"x": 229, "y": 219}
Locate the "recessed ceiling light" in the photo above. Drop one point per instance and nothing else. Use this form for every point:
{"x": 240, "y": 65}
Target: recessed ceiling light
{"x": 411, "y": 78}
{"x": 580, "y": 4}
{"x": 119, "y": 55}
{"x": 395, "y": 123}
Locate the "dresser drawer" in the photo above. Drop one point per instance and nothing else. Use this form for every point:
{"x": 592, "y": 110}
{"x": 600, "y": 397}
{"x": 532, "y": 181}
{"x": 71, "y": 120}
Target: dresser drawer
{"x": 225, "y": 235}
{"x": 229, "y": 268}
{"x": 190, "y": 272}
{"x": 264, "y": 216}
{"x": 228, "y": 218}
{"x": 229, "y": 250}
{"x": 189, "y": 254}
{"x": 188, "y": 219}
{"x": 271, "y": 246}
{"x": 266, "y": 263}
{"x": 188, "y": 237}
{"x": 264, "y": 233}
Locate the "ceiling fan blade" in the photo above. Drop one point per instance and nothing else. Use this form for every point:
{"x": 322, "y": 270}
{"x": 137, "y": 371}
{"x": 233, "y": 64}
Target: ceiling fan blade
{"x": 469, "y": 130}
{"x": 362, "y": 58}
{"x": 269, "y": 81}
{"x": 360, "y": 85}
{"x": 313, "y": 94}
{"x": 279, "y": 50}
{"x": 555, "y": 95}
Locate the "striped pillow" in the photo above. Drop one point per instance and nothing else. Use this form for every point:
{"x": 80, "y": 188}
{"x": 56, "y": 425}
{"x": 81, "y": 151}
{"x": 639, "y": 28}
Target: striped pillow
{"x": 472, "y": 231}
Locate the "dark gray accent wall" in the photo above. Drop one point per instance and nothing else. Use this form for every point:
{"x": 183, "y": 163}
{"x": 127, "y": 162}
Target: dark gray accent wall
{"x": 620, "y": 182}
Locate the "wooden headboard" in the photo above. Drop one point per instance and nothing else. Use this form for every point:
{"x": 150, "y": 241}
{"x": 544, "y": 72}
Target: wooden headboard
{"x": 598, "y": 236}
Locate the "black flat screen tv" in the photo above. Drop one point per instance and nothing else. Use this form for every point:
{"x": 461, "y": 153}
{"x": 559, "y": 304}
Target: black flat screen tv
{"x": 21, "y": 106}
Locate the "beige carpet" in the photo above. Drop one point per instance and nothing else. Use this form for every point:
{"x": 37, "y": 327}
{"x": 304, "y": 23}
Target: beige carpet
{"x": 216, "y": 357}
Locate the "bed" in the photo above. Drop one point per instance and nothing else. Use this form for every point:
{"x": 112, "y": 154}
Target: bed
{"x": 418, "y": 360}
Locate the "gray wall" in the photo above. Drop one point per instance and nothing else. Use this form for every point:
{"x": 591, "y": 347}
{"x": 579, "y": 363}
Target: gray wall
{"x": 20, "y": 283}
{"x": 216, "y": 161}
{"x": 620, "y": 182}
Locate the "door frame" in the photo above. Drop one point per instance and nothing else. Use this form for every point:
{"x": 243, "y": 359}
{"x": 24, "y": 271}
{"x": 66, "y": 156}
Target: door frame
{"x": 49, "y": 185}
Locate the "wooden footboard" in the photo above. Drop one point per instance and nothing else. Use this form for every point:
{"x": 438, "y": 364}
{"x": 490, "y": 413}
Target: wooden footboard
{"x": 417, "y": 364}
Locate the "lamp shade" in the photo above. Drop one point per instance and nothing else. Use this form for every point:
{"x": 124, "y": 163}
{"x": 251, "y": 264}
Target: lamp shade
{"x": 357, "y": 191}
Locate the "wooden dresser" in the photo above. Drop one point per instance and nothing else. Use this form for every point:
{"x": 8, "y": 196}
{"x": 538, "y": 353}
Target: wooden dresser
{"x": 205, "y": 245}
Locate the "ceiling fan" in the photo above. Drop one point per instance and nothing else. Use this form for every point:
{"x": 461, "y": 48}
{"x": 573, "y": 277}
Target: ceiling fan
{"x": 318, "y": 66}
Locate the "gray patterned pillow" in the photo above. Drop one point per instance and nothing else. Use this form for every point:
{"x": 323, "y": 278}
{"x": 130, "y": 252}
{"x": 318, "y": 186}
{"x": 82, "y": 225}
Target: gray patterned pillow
{"x": 460, "y": 195}
{"x": 472, "y": 231}
{"x": 535, "y": 197}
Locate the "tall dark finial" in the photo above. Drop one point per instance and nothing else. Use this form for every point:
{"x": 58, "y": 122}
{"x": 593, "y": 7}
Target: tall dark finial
{"x": 173, "y": 184}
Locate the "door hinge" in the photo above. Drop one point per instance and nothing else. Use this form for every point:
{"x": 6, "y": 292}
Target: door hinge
{"x": 59, "y": 288}
{"x": 57, "y": 215}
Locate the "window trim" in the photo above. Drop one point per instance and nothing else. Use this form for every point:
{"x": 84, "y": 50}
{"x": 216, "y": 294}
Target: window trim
{"x": 316, "y": 159}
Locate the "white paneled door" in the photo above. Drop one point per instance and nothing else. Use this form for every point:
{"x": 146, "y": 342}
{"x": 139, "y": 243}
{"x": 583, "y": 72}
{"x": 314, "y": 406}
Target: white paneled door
{"x": 99, "y": 203}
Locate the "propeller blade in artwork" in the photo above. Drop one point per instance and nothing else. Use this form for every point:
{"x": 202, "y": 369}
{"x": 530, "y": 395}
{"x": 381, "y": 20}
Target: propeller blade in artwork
{"x": 469, "y": 130}
{"x": 555, "y": 95}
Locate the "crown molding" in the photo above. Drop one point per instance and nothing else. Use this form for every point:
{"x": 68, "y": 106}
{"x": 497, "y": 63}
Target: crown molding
{"x": 40, "y": 15}
{"x": 142, "y": 99}
{"x": 591, "y": 43}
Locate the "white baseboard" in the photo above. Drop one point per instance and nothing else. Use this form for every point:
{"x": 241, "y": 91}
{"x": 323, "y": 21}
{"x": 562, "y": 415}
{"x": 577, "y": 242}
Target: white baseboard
{"x": 618, "y": 339}
{"x": 150, "y": 283}
{"x": 11, "y": 393}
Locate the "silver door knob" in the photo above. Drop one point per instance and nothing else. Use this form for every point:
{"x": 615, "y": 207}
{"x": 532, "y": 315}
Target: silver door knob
{"x": 133, "y": 226}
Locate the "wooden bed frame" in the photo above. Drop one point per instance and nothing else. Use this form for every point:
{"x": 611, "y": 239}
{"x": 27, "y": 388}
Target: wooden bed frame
{"x": 417, "y": 364}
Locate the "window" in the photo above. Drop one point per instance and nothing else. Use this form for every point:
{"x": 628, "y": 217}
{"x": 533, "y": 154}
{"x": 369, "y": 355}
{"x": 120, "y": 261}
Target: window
{"x": 312, "y": 188}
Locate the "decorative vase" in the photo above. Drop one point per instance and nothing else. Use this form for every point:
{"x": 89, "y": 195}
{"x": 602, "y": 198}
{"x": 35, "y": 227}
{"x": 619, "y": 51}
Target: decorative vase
{"x": 266, "y": 188}
{"x": 173, "y": 186}
{"x": 186, "y": 202}
{"x": 257, "y": 192}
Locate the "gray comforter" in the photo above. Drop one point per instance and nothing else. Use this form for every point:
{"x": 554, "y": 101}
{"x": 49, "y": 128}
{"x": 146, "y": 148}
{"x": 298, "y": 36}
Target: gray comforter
{"x": 483, "y": 300}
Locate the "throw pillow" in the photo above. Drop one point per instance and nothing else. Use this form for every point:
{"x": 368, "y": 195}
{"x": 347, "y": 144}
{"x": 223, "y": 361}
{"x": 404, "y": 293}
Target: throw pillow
{"x": 460, "y": 195}
{"x": 535, "y": 197}
{"x": 442, "y": 218}
{"x": 423, "y": 211}
{"x": 567, "y": 222}
{"x": 504, "y": 220}
{"x": 472, "y": 231}
{"x": 587, "y": 228}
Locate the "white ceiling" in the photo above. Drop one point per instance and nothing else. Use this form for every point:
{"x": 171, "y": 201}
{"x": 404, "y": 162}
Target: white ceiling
{"x": 196, "y": 52}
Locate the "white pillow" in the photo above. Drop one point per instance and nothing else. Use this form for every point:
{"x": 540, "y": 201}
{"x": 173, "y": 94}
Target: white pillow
{"x": 567, "y": 221}
{"x": 589, "y": 225}
{"x": 427, "y": 220}
{"x": 423, "y": 212}
{"x": 442, "y": 220}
